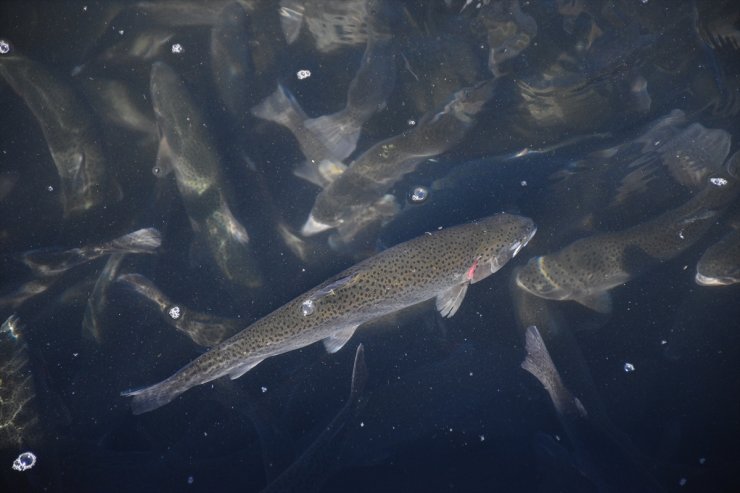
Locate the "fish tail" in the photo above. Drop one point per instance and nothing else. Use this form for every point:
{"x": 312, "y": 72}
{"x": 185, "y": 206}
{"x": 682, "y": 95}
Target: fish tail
{"x": 152, "y": 397}
{"x": 155, "y": 396}
{"x": 280, "y": 107}
{"x": 338, "y": 131}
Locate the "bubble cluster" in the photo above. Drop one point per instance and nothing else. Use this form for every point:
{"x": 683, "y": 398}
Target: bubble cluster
{"x": 303, "y": 74}
{"x": 177, "y": 48}
{"x": 718, "y": 181}
{"x": 24, "y": 461}
{"x": 174, "y": 312}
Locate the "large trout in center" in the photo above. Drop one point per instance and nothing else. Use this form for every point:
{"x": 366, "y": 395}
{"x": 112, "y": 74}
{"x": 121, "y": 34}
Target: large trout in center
{"x": 437, "y": 265}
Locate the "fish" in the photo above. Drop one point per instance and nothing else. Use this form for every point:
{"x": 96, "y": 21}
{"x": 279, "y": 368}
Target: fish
{"x": 588, "y": 268}
{"x": 367, "y": 92}
{"x": 91, "y": 321}
{"x": 322, "y": 162}
{"x": 187, "y": 149}
{"x": 52, "y": 262}
{"x": 119, "y": 104}
{"x": 70, "y": 131}
{"x": 203, "y": 329}
{"x": 719, "y": 265}
{"x": 595, "y": 454}
{"x": 372, "y": 174}
{"x": 327, "y": 140}
{"x": 310, "y": 471}
{"x": 439, "y": 265}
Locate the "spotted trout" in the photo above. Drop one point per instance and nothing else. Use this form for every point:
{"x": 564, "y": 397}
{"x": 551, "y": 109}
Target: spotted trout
{"x": 437, "y": 265}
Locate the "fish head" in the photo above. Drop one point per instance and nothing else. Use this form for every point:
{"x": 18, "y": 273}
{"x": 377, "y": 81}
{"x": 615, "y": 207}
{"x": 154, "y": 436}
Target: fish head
{"x": 501, "y": 237}
{"x": 535, "y": 279}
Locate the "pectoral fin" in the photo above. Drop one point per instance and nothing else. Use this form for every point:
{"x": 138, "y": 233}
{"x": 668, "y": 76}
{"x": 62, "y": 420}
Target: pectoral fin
{"x": 599, "y": 302}
{"x": 335, "y": 342}
{"x": 241, "y": 370}
{"x": 448, "y": 302}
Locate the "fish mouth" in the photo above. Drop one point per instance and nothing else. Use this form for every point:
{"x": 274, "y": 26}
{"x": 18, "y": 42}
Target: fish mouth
{"x": 712, "y": 281}
{"x": 313, "y": 226}
{"x": 517, "y": 246}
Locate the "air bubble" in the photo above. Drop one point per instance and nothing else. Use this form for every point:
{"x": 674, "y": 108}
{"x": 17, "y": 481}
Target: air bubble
{"x": 418, "y": 195}
{"x": 4, "y": 47}
{"x": 24, "y": 461}
{"x": 629, "y": 367}
{"x": 308, "y": 307}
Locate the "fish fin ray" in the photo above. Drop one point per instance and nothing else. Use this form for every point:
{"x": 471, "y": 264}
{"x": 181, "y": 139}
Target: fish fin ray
{"x": 448, "y": 302}
{"x": 336, "y": 131}
{"x": 336, "y": 341}
{"x": 598, "y": 302}
{"x": 309, "y": 173}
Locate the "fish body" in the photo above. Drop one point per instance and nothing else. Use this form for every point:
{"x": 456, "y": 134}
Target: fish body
{"x": 587, "y": 269}
{"x": 70, "y": 132}
{"x": 52, "y": 262}
{"x": 310, "y": 471}
{"x": 372, "y": 174}
{"x": 366, "y": 95}
{"x": 187, "y": 149}
{"x": 720, "y": 263}
{"x": 595, "y": 453}
{"x": 202, "y": 328}
{"x": 438, "y": 265}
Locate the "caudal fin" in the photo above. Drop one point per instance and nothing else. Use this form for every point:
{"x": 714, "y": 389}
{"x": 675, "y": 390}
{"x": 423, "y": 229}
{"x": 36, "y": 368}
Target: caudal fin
{"x": 280, "y": 107}
{"x": 153, "y": 397}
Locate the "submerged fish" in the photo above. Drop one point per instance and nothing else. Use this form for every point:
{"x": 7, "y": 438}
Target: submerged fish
{"x": 49, "y": 263}
{"x": 720, "y": 264}
{"x": 310, "y": 471}
{"x": 367, "y": 93}
{"x": 587, "y": 269}
{"x": 70, "y": 132}
{"x": 203, "y": 329}
{"x": 596, "y": 455}
{"x": 187, "y": 149}
{"x": 372, "y": 174}
{"x": 98, "y": 300}
{"x": 438, "y": 265}
{"x": 326, "y": 140}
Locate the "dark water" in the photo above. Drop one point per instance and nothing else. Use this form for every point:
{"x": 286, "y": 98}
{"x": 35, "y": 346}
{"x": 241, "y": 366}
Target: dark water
{"x": 446, "y": 406}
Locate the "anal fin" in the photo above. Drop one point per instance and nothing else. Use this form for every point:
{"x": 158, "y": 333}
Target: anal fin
{"x": 598, "y": 302}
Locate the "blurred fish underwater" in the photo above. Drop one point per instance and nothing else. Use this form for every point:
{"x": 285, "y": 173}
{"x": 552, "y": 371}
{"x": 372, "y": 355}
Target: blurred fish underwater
{"x": 191, "y": 189}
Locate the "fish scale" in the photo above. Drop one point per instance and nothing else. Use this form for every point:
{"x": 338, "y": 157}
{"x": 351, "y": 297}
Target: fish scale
{"x": 435, "y": 265}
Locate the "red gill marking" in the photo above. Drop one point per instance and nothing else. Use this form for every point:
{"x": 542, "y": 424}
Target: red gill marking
{"x": 471, "y": 270}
